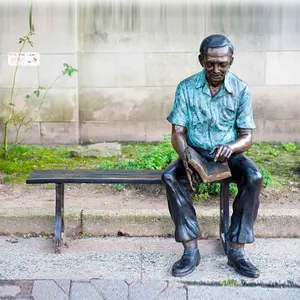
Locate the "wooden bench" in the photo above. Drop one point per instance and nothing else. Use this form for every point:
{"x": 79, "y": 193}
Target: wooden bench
{"x": 62, "y": 177}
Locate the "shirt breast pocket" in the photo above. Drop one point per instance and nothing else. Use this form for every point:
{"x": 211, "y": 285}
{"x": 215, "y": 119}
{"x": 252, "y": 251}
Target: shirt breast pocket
{"x": 227, "y": 117}
{"x": 198, "y": 120}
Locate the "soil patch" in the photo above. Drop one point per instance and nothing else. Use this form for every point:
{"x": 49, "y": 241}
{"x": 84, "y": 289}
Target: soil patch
{"x": 109, "y": 197}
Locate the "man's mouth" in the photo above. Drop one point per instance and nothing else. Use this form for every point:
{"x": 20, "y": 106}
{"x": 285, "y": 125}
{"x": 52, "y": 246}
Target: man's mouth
{"x": 216, "y": 77}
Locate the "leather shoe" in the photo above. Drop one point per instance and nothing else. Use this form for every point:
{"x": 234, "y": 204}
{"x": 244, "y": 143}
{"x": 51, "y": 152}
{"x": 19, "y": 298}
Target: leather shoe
{"x": 187, "y": 263}
{"x": 241, "y": 264}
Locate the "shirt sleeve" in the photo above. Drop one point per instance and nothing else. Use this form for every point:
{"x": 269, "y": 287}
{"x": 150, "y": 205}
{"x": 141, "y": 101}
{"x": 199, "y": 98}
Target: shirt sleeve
{"x": 178, "y": 114}
{"x": 245, "y": 112}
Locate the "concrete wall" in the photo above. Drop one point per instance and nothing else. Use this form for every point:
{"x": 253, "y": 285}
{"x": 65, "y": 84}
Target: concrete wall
{"x": 132, "y": 54}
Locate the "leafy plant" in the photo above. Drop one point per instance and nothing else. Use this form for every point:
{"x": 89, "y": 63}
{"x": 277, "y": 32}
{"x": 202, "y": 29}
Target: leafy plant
{"x": 156, "y": 157}
{"x": 267, "y": 177}
{"x": 290, "y": 147}
{"x": 119, "y": 186}
{"x": 205, "y": 190}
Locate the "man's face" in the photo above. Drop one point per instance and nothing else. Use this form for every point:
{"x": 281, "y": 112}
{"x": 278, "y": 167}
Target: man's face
{"x": 216, "y": 62}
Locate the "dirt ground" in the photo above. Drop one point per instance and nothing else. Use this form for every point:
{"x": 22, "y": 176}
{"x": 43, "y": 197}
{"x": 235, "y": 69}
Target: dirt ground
{"x": 108, "y": 197}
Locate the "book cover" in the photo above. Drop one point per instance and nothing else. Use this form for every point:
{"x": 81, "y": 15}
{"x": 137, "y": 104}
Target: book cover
{"x": 209, "y": 171}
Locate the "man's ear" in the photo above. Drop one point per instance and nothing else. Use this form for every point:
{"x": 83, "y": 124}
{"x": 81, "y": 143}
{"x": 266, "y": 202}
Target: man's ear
{"x": 200, "y": 58}
{"x": 232, "y": 59}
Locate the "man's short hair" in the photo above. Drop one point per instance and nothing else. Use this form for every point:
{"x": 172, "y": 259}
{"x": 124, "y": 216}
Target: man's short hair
{"x": 215, "y": 41}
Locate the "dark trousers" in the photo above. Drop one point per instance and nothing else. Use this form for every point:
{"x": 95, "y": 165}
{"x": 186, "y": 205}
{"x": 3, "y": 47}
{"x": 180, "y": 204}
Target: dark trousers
{"x": 245, "y": 205}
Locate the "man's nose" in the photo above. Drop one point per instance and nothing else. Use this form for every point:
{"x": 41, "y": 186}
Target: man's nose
{"x": 216, "y": 68}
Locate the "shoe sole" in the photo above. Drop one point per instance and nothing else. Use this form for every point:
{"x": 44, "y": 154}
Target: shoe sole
{"x": 241, "y": 273}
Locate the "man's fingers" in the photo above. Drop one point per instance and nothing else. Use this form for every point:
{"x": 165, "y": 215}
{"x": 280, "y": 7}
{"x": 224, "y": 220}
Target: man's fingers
{"x": 228, "y": 153}
{"x": 193, "y": 178}
{"x": 185, "y": 163}
{"x": 189, "y": 173}
{"x": 196, "y": 178}
{"x": 213, "y": 150}
{"x": 218, "y": 153}
{"x": 224, "y": 154}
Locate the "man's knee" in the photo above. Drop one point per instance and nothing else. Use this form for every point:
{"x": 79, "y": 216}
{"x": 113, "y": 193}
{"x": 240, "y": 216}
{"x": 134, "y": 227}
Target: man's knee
{"x": 167, "y": 177}
{"x": 255, "y": 178}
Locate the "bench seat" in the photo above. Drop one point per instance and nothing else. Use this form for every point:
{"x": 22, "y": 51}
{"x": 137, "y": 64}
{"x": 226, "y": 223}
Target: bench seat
{"x": 95, "y": 176}
{"x": 62, "y": 177}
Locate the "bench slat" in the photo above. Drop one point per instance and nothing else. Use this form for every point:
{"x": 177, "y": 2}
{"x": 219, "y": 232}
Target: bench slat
{"x": 95, "y": 176}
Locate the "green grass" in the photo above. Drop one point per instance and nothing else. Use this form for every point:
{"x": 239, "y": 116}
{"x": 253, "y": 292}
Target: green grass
{"x": 229, "y": 282}
{"x": 279, "y": 163}
{"x": 23, "y": 159}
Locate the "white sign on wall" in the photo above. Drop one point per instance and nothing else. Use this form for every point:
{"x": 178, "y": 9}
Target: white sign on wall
{"x": 27, "y": 59}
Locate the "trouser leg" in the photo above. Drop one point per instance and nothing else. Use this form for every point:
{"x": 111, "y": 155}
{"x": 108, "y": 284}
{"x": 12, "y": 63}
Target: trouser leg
{"x": 246, "y": 203}
{"x": 180, "y": 202}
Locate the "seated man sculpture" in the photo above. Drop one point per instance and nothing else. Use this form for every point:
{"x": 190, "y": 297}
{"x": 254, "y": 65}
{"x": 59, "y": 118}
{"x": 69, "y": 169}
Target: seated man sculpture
{"x": 212, "y": 113}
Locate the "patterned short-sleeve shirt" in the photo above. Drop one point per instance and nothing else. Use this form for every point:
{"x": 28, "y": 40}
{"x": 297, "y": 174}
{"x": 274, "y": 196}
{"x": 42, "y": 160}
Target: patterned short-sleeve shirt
{"x": 212, "y": 120}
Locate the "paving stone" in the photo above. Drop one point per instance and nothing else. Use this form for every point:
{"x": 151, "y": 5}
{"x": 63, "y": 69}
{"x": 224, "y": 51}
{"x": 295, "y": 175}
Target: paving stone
{"x": 249, "y": 293}
{"x": 84, "y": 290}
{"x": 173, "y": 291}
{"x": 9, "y": 290}
{"x": 64, "y": 284}
{"x": 146, "y": 290}
{"x": 26, "y": 287}
{"x": 111, "y": 289}
{"x": 48, "y": 290}
{"x": 16, "y": 288}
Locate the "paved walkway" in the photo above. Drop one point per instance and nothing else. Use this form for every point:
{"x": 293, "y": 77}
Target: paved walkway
{"x": 139, "y": 268}
{"x": 101, "y": 289}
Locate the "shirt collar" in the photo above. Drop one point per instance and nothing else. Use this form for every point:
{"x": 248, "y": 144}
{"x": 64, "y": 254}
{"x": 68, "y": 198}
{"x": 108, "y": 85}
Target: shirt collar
{"x": 201, "y": 80}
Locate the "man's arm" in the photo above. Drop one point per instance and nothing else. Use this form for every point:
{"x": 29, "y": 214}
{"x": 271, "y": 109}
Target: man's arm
{"x": 178, "y": 140}
{"x": 242, "y": 144}
{"x": 180, "y": 145}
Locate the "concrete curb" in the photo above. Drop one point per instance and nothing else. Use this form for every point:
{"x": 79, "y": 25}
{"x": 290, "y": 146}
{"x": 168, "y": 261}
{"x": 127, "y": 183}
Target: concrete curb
{"x": 270, "y": 223}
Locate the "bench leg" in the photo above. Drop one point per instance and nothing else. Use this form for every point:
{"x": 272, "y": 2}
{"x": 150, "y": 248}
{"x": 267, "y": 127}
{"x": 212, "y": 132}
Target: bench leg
{"x": 224, "y": 216}
{"x": 59, "y": 217}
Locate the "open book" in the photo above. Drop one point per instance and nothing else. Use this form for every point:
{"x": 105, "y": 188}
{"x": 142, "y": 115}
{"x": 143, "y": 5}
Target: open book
{"x": 209, "y": 171}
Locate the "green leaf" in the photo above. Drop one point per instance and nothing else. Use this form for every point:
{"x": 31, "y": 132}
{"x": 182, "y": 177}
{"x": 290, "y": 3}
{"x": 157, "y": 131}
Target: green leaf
{"x": 37, "y": 93}
{"x": 27, "y": 96}
{"x": 31, "y": 25}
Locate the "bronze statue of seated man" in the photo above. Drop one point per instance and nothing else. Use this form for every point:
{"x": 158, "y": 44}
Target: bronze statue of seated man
{"x": 212, "y": 113}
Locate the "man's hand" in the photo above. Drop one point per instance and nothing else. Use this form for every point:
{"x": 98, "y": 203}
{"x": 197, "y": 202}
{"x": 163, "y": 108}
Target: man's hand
{"x": 192, "y": 176}
{"x": 179, "y": 143}
{"x": 242, "y": 144}
{"x": 223, "y": 152}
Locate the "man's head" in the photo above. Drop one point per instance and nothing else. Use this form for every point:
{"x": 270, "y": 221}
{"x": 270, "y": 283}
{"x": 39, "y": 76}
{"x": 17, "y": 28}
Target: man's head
{"x": 216, "y": 57}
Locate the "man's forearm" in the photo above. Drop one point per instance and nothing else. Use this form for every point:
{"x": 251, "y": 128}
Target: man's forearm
{"x": 244, "y": 141}
{"x": 178, "y": 140}
{"x": 179, "y": 144}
